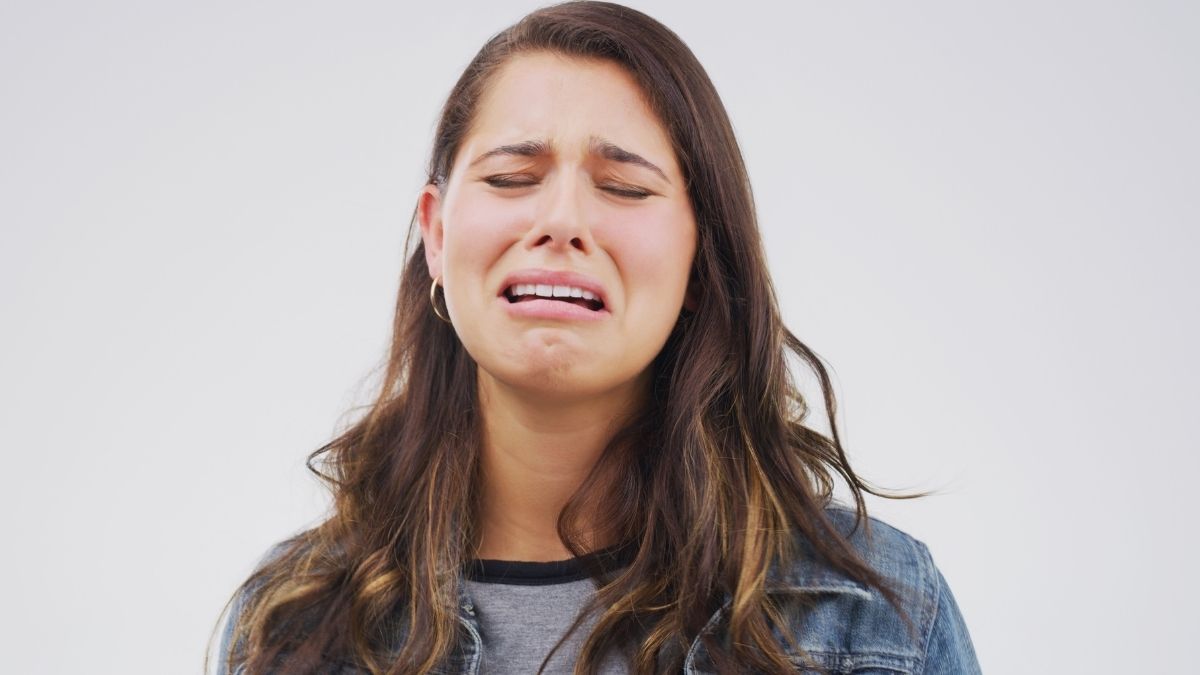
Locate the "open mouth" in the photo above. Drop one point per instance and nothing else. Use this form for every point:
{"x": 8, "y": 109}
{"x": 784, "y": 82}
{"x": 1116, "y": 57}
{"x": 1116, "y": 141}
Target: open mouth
{"x": 576, "y": 296}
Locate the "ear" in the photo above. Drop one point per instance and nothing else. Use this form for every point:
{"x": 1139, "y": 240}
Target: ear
{"x": 429, "y": 217}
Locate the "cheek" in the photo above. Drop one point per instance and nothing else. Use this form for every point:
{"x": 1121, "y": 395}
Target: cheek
{"x": 654, "y": 251}
{"x": 479, "y": 230}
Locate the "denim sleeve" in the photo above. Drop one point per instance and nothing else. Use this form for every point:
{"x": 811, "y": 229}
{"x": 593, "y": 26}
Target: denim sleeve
{"x": 949, "y": 649}
{"x": 239, "y": 602}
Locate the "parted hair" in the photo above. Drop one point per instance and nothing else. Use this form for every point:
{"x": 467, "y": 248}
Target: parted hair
{"x": 711, "y": 482}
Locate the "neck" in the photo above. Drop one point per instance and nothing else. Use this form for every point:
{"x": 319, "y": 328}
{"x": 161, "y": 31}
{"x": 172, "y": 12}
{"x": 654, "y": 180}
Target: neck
{"x": 536, "y": 453}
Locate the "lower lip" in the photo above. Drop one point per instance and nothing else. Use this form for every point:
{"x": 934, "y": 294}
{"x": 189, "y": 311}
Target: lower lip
{"x": 551, "y": 309}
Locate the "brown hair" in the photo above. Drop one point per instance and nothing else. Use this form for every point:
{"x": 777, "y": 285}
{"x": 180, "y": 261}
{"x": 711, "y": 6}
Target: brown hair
{"x": 720, "y": 475}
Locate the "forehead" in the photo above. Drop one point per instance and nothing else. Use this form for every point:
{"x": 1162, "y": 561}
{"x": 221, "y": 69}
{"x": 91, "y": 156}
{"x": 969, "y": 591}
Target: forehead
{"x": 567, "y": 101}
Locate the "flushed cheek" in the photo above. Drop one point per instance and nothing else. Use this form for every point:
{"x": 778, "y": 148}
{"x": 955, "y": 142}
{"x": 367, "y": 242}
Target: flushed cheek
{"x": 476, "y": 236}
{"x": 654, "y": 256}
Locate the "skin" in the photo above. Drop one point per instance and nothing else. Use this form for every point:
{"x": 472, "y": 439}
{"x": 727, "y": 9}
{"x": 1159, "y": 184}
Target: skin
{"x": 553, "y": 391}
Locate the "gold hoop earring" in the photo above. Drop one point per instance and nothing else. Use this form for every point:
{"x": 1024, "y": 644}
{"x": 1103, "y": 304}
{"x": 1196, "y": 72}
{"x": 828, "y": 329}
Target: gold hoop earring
{"x": 433, "y": 299}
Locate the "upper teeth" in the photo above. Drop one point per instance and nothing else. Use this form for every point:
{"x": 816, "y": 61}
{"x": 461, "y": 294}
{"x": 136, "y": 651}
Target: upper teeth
{"x": 548, "y": 291}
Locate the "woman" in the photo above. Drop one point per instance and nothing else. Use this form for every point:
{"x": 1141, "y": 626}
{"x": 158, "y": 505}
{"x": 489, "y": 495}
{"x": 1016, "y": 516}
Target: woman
{"x": 588, "y": 453}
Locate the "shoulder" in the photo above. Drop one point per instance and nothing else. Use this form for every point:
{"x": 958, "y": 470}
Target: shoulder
{"x": 229, "y": 645}
{"x": 888, "y": 550}
{"x": 847, "y": 625}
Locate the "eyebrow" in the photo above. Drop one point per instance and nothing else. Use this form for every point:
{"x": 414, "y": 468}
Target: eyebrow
{"x": 523, "y": 149}
{"x": 596, "y": 146}
{"x": 612, "y": 152}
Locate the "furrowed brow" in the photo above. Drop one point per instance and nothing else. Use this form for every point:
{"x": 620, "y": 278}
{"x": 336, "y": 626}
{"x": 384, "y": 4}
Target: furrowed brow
{"x": 522, "y": 149}
{"x": 612, "y": 152}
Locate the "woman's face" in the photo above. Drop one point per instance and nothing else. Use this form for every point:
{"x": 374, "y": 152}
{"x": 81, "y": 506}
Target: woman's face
{"x": 566, "y": 185}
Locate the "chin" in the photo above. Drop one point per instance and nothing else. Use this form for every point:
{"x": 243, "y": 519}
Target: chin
{"x": 546, "y": 373}
{"x": 557, "y": 379}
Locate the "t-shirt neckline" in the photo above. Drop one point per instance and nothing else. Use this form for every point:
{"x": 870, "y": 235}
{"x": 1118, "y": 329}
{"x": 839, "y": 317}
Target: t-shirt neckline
{"x": 543, "y": 573}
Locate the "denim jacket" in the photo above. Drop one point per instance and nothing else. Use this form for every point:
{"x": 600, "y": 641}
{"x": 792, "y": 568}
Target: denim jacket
{"x": 850, "y": 629}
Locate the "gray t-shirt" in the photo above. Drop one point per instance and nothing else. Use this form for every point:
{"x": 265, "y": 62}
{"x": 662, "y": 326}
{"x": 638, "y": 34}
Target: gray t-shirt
{"x": 524, "y": 608}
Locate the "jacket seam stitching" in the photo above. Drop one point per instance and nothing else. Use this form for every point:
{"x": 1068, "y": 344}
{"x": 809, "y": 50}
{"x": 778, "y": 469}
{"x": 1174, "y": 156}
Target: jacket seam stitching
{"x": 930, "y": 606}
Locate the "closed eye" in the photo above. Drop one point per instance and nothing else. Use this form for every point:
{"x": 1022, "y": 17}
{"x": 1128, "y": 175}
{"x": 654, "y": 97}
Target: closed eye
{"x": 630, "y": 192}
{"x": 517, "y": 180}
{"x": 509, "y": 180}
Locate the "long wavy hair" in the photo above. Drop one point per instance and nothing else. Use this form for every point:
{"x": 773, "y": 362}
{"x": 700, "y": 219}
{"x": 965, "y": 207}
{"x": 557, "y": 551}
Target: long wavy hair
{"x": 718, "y": 474}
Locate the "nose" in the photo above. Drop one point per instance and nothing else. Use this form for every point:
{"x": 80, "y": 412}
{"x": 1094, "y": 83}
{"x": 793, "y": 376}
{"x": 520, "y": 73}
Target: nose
{"x": 561, "y": 218}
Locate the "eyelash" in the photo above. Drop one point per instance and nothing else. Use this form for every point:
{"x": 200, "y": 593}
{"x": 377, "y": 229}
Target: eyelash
{"x": 503, "y": 181}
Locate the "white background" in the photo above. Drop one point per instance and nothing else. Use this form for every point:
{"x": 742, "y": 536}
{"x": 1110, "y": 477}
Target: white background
{"x": 983, "y": 217}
